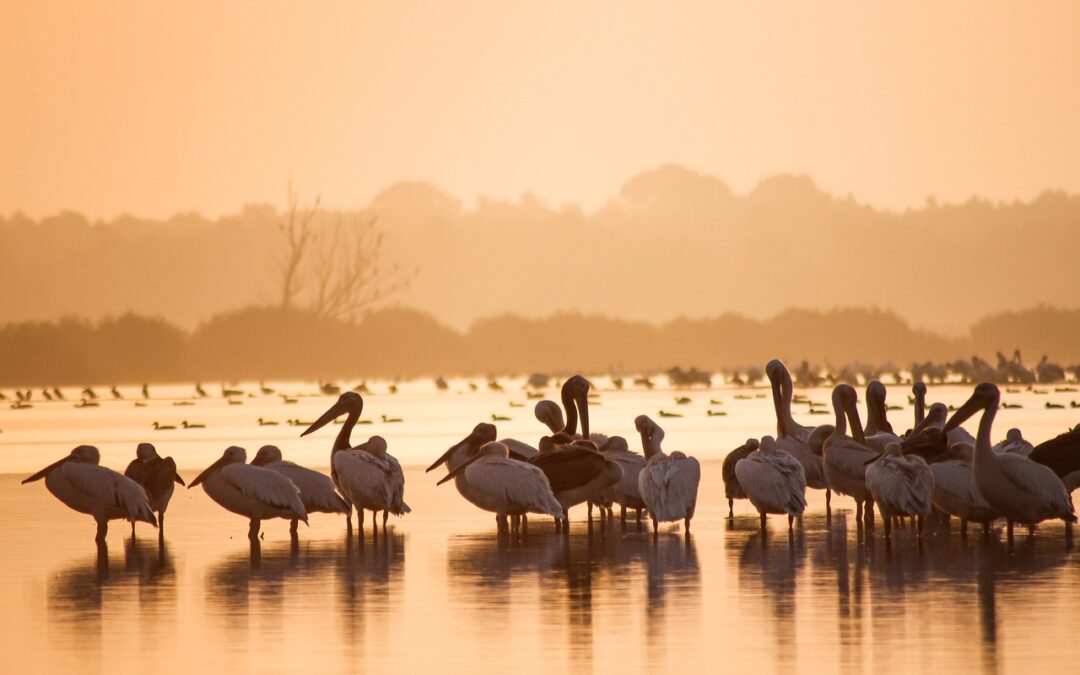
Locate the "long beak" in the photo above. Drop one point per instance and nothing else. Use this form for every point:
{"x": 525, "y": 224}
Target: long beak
{"x": 209, "y": 470}
{"x": 583, "y": 412}
{"x": 178, "y": 479}
{"x": 465, "y": 442}
{"x": 335, "y": 411}
{"x": 972, "y": 406}
{"x": 45, "y": 472}
{"x": 854, "y": 422}
{"x": 458, "y": 471}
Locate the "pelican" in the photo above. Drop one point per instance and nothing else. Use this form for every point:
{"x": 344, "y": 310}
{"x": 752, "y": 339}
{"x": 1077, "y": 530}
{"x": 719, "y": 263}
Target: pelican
{"x": 1015, "y": 443}
{"x": 157, "y": 476}
{"x": 1062, "y": 455}
{"x": 82, "y": 485}
{"x": 317, "y": 490}
{"x": 252, "y": 491}
{"x": 845, "y": 458}
{"x": 878, "y": 432}
{"x": 900, "y": 485}
{"x": 792, "y": 437}
{"x": 955, "y": 492}
{"x": 668, "y": 483}
{"x": 919, "y": 390}
{"x": 493, "y": 482}
{"x": 936, "y": 417}
{"x": 365, "y": 472}
{"x": 576, "y": 471}
{"x": 626, "y": 493}
{"x": 1020, "y": 489}
{"x": 773, "y": 480}
{"x": 547, "y": 412}
{"x": 732, "y": 489}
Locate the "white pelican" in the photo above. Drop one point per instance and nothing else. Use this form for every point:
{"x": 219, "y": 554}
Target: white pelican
{"x": 316, "y": 490}
{"x": 250, "y": 491}
{"x": 545, "y": 411}
{"x": 955, "y": 492}
{"x": 846, "y": 457}
{"x": 936, "y": 417}
{"x": 732, "y": 489}
{"x": 668, "y": 483}
{"x": 792, "y": 437}
{"x": 626, "y": 493}
{"x": 1020, "y": 489}
{"x": 492, "y": 481}
{"x": 372, "y": 479}
{"x": 773, "y": 480}
{"x": 350, "y": 404}
{"x": 82, "y": 485}
{"x": 919, "y": 390}
{"x": 901, "y": 486}
{"x": 157, "y": 476}
{"x": 878, "y": 432}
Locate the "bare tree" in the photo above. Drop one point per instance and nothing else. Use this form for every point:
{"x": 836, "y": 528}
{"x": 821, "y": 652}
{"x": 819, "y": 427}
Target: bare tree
{"x": 332, "y": 268}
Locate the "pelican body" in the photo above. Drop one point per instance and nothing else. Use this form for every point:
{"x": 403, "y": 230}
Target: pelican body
{"x": 251, "y": 491}
{"x": 900, "y": 485}
{"x": 317, "y": 490}
{"x": 668, "y": 483}
{"x": 773, "y": 480}
{"x": 792, "y": 437}
{"x": 955, "y": 492}
{"x": 1020, "y": 489}
{"x": 158, "y": 477}
{"x": 82, "y": 485}
{"x": 626, "y": 493}
{"x": 488, "y": 478}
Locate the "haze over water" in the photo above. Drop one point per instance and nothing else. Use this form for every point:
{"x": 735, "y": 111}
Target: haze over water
{"x": 440, "y": 591}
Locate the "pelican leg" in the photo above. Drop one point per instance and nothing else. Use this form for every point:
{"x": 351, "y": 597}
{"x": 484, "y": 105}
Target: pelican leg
{"x": 1009, "y": 531}
{"x": 888, "y": 527}
{"x": 858, "y": 513}
{"x": 963, "y": 528}
{"x": 515, "y": 522}
{"x": 730, "y": 509}
{"x": 639, "y": 519}
{"x": 828, "y": 503}
{"x": 655, "y": 526}
{"x": 790, "y": 523}
{"x": 132, "y": 529}
{"x": 919, "y": 524}
{"x": 500, "y": 522}
{"x": 359, "y": 522}
{"x": 102, "y": 530}
{"x": 524, "y": 525}
{"x": 293, "y": 528}
{"x": 385, "y": 515}
{"x": 986, "y": 529}
{"x": 590, "y": 513}
{"x": 558, "y": 525}
{"x": 253, "y": 529}
{"x": 1031, "y": 529}
{"x": 160, "y": 523}
{"x": 374, "y": 523}
{"x": 869, "y": 513}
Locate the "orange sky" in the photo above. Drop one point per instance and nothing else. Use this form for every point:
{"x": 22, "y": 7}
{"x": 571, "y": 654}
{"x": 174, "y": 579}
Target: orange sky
{"x": 110, "y": 107}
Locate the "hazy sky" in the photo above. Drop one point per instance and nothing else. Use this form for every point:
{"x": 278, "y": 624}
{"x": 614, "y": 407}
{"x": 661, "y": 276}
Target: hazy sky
{"x": 153, "y": 108}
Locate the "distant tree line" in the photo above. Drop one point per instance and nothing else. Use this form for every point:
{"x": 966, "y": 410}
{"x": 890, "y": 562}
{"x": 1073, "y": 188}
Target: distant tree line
{"x": 276, "y": 343}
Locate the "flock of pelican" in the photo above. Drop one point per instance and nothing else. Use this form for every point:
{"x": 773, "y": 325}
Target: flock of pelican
{"x": 936, "y": 467}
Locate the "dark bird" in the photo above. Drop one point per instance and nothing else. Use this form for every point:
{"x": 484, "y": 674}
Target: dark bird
{"x": 157, "y": 475}
{"x": 732, "y": 489}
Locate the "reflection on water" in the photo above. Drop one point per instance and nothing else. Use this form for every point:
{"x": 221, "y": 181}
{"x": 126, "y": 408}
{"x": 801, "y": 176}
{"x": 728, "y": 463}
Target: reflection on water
{"x": 827, "y": 597}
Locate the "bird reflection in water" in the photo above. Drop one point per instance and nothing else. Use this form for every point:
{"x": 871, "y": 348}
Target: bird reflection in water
{"x": 491, "y": 578}
{"x": 80, "y": 594}
{"x": 360, "y": 579}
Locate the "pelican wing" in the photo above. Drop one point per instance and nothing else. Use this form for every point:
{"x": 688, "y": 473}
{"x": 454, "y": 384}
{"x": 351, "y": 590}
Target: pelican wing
{"x": 1061, "y": 453}
{"x": 135, "y": 470}
{"x": 849, "y": 456}
{"x": 1037, "y": 479}
{"x": 569, "y": 467}
{"x": 776, "y": 480}
{"x": 398, "y": 485}
{"x": 732, "y": 489}
{"x": 317, "y": 490}
{"x": 926, "y": 444}
{"x": 669, "y": 486}
{"x": 520, "y": 449}
{"x": 266, "y": 486}
{"x": 904, "y": 484}
{"x": 111, "y": 488}
{"x": 515, "y": 482}
{"x": 158, "y": 476}
{"x": 366, "y": 479}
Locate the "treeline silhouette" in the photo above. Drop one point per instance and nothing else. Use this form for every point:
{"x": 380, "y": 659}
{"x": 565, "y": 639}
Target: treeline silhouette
{"x": 670, "y": 243}
{"x": 269, "y": 343}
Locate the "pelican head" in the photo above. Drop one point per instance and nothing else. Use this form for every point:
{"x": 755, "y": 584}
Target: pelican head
{"x": 651, "y": 434}
{"x": 985, "y": 397}
{"x": 875, "y": 393}
{"x": 774, "y": 370}
{"x": 145, "y": 451}
{"x": 919, "y": 389}
{"x": 376, "y": 445}
{"x": 482, "y": 433}
{"x": 84, "y": 454}
{"x": 616, "y": 444}
{"x": 489, "y": 449}
{"x": 348, "y": 402}
{"x": 964, "y": 452}
{"x": 1014, "y": 435}
{"x": 845, "y": 399}
{"x": 267, "y": 454}
{"x": 767, "y": 444}
{"x": 550, "y": 414}
{"x": 232, "y": 455}
{"x": 575, "y": 398}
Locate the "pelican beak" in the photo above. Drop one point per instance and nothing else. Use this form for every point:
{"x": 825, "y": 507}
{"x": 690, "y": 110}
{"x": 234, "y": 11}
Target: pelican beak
{"x": 583, "y": 411}
{"x": 853, "y": 420}
{"x": 45, "y": 472}
{"x": 178, "y": 479}
{"x": 461, "y": 469}
{"x": 972, "y": 406}
{"x": 467, "y": 442}
{"x": 209, "y": 470}
{"x": 335, "y": 411}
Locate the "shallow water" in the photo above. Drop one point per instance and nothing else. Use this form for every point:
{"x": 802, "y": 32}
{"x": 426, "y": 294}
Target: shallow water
{"x": 441, "y": 590}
